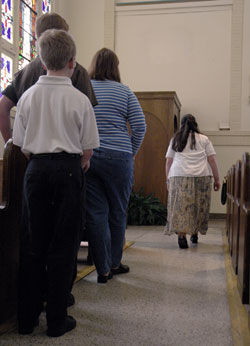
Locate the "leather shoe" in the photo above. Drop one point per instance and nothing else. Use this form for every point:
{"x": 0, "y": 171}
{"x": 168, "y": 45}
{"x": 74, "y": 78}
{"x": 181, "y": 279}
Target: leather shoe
{"x": 70, "y": 323}
{"x": 182, "y": 241}
{"x": 194, "y": 238}
{"x": 122, "y": 269}
{"x": 103, "y": 279}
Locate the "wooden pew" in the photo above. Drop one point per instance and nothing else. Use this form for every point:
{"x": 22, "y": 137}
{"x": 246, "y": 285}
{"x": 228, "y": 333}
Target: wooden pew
{"x": 236, "y": 216}
{"x": 1, "y": 179}
{"x": 228, "y": 220}
{"x": 230, "y": 197}
{"x": 14, "y": 165}
{"x": 244, "y": 231}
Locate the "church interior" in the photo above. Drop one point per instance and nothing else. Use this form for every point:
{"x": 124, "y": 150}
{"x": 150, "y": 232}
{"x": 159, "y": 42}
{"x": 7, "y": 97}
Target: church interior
{"x": 178, "y": 57}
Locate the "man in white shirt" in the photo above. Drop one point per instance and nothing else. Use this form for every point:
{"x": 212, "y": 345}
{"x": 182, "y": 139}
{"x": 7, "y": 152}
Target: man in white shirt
{"x": 55, "y": 127}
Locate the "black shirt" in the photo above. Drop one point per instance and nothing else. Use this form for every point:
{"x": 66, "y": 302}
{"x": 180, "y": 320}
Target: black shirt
{"x": 30, "y": 74}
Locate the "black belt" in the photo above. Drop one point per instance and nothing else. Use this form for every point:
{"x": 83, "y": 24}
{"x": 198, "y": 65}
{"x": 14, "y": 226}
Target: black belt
{"x": 53, "y": 156}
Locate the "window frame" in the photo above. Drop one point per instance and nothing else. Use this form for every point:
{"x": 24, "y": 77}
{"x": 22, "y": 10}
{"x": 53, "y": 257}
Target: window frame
{"x": 12, "y": 49}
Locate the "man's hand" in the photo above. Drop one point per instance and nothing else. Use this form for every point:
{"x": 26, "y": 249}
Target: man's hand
{"x": 85, "y": 162}
{"x": 85, "y": 165}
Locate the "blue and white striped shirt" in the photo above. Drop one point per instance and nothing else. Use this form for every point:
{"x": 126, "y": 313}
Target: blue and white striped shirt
{"x": 117, "y": 105}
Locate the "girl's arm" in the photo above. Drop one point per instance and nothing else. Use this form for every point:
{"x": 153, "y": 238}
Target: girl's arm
{"x": 213, "y": 164}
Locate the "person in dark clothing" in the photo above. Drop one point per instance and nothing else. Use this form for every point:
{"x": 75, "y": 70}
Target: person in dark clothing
{"x": 28, "y": 76}
{"x": 56, "y": 129}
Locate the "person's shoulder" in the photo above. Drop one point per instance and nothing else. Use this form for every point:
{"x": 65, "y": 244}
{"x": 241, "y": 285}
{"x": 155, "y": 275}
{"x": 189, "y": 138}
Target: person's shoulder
{"x": 120, "y": 87}
{"x": 28, "y": 94}
{"x": 78, "y": 95}
{"x": 34, "y": 66}
{"x": 80, "y": 71}
{"x": 108, "y": 86}
{"x": 108, "y": 82}
{"x": 31, "y": 90}
{"x": 203, "y": 138}
{"x": 80, "y": 68}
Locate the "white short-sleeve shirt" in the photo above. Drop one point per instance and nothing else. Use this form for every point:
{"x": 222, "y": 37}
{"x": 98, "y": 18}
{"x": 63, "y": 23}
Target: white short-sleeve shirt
{"x": 52, "y": 116}
{"x": 191, "y": 162}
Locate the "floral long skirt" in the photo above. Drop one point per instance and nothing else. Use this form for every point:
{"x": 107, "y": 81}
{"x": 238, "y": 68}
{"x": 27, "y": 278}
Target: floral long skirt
{"x": 188, "y": 205}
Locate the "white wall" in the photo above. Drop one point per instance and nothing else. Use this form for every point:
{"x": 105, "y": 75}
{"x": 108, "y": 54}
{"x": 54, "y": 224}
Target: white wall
{"x": 187, "y": 48}
{"x": 86, "y": 22}
{"x": 178, "y": 49}
{"x": 246, "y": 68}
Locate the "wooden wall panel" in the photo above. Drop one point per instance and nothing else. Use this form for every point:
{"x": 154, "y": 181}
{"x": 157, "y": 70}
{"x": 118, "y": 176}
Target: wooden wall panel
{"x": 244, "y": 234}
{"x": 162, "y": 112}
{"x": 14, "y": 164}
{"x": 236, "y": 216}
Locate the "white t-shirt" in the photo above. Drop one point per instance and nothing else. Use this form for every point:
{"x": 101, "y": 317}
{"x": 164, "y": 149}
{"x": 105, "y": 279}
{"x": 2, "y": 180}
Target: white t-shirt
{"x": 52, "y": 116}
{"x": 191, "y": 162}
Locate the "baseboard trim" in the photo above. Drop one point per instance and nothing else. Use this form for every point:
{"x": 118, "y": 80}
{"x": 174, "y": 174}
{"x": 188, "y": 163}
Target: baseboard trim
{"x": 216, "y": 216}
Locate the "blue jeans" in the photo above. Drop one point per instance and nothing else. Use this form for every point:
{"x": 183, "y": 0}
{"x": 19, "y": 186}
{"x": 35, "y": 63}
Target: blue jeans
{"x": 109, "y": 183}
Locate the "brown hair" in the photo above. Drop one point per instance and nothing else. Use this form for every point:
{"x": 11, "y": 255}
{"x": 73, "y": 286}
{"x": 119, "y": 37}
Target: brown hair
{"x": 50, "y": 21}
{"x": 105, "y": 66}
{"x": 56, "y": 49}
{"x": 188, "y": 125}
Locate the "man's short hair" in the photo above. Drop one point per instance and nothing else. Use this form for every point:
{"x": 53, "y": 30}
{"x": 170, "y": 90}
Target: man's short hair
{"x": 56, "y": 49}
{"x": 50, "y": 21}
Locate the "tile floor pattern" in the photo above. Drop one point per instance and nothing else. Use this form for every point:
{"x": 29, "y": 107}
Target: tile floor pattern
{"x": 171, "y": 297}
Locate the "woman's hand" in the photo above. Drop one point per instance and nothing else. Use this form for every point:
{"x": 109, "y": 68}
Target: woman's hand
{"x": 216, "y": 185}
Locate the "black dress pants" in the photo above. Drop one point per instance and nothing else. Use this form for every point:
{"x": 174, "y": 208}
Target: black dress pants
{"x": 50, "y": 236}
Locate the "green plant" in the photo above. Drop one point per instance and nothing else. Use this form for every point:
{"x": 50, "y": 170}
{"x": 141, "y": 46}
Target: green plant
{"x": 146, "y": 210}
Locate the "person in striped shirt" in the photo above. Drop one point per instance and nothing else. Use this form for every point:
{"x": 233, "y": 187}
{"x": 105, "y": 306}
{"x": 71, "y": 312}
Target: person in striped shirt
{"x": 110, "y": 176}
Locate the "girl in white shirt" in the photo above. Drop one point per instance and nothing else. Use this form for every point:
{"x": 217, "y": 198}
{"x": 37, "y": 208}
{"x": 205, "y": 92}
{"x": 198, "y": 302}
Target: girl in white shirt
{"x": 190, "y": 165}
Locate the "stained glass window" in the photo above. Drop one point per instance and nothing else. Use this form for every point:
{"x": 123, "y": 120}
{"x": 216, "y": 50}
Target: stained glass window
{"x": 46, "y": 6}
{"x": 27, "y": 40}
{"x": 7, "y": 20}
{"x": 6, "y": 71}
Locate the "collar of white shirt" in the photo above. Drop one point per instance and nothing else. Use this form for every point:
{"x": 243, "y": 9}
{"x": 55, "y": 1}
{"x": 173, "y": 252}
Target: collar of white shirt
{"x": 54, "y": 80}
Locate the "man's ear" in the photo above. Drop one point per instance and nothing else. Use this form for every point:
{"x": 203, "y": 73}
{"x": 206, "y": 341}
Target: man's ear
{"x": 44, "y": 67}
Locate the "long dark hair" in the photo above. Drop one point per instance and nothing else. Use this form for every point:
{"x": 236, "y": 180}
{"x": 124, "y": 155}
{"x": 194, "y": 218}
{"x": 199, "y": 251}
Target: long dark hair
{"x": 188, "y": 124}
{"x": 105, "y": 66}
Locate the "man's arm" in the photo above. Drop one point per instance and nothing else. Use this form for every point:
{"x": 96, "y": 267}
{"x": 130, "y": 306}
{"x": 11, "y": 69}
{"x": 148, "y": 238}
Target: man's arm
{"x": 5, "y": 106}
